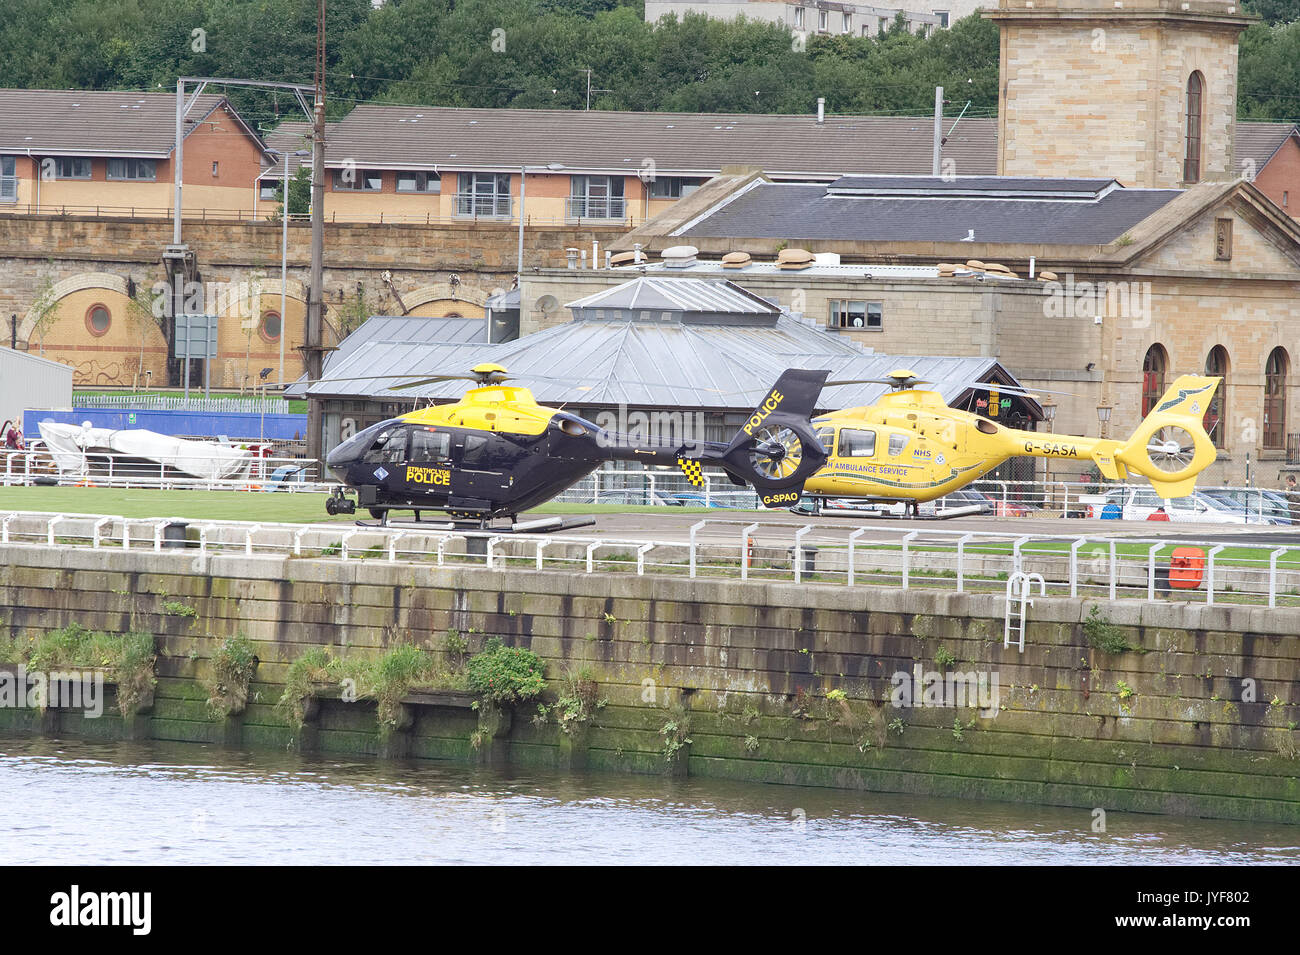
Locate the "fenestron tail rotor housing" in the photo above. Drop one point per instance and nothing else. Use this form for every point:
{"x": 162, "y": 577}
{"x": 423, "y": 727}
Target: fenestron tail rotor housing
{"x": 777, "y": 453}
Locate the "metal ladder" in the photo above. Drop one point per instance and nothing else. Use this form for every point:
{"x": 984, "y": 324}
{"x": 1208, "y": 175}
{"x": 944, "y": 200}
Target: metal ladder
{"x": 1019, "y": 585}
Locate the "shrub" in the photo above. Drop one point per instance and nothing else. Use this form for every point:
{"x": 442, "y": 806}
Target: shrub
{"x": 310, "y": 669}
{"x": 506, "y": 675}
{"x": 232, "y": 670}
{"x": 128, "y": 657}
{"x": 1104, "y": 635}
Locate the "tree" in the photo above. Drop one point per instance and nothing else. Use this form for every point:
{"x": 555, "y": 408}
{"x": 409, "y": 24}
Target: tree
{"x": 45, "y": 309}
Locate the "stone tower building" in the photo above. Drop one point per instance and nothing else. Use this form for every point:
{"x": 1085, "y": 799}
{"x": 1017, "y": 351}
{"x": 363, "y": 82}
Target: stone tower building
{"x": 1144, "y": 91}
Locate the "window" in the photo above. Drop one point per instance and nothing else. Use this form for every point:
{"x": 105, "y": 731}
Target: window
{"x": 138, "y": 169}
{"x": 430, "y": 445}
{"x": 798, "y": 18}
{"x": 1153, "y": 377}
{"x": 475, "y": 455}
{"x": 673, "y": 187}
{"x": 865, "y": 315}
{"x": 98, "y": 320}
{"x": 358, "y": 180}
{"x": 419, "y": 182}
{"x": 1275, "y": 372}
{"x": 827, "y": 438}
{"x": 596, "y": 197}
{"x": 268, "y": 189}
{"x": 8, "y": 179}
{"x": 823, "y": 18}
{"x": 882, "y": 26}
{"x": 847, "y": 23}
{"x": 866, "y": 29}
{"x": 389, "y": 448}
{"x": 897, "y": 444}
{"x": 215, "y": 166}
{"x": 857, "y": 444}
{"x": 271, "y": 326}
{"x": 70, "y": 167}
{"x": 1286, "y": 198}
{"x": 484, "y": 194}
{"x": 943, "y": 18}
{"x": 1216, "y": 415}
{"x": 1192, "y": 161}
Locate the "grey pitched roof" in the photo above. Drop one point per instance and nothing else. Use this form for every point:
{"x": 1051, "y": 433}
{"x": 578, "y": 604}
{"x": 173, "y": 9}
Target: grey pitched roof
{"x": 799, "y": 211}
{"x": 660, "y": 295}
{"x": 1258, "y": 142}
{"x": 84, "y": 123}
{"x": 677, "y": 143}
{"x": 671, "y": 365}
{"x": 408, "y": 330}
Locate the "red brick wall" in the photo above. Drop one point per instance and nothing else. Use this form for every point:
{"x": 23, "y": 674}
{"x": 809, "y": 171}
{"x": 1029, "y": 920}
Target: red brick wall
{"x": 1280, "y": 179}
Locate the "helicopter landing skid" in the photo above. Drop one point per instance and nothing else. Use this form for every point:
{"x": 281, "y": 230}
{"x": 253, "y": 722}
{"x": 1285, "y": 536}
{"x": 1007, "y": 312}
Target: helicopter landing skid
{"x": 543, "y": 525}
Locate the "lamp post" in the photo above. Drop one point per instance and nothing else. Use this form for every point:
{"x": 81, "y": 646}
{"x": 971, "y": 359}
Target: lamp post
{"x": 1049, "y": 415}
{"x": 1103, "y": 416}
{"x": 284, "y": 249}
{"x": 523, "y": 178}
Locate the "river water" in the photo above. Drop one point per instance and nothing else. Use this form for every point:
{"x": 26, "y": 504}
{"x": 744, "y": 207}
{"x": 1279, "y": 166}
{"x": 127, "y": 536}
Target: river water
{"x": 71, "y": 802}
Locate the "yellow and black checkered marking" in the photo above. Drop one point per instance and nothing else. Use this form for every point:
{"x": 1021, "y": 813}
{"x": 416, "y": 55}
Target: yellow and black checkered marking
{"x": 693, "y": 471}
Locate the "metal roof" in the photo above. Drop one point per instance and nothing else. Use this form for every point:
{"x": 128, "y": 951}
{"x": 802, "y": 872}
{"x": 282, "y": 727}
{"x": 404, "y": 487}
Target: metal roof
{"x": 86, "y": 123}
{"x": 586, "y": 363}
{"x": 869, "y": 270}
{"x": 807, "y": 212}
{"x": 660, "y": 295}
{"x": 410, "y": 330}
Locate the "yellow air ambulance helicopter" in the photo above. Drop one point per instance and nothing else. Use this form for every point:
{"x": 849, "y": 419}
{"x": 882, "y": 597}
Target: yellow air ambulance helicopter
{"x": 910, "y": 446}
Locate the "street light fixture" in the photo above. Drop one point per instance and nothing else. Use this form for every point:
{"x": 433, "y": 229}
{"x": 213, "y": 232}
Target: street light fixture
{"x": 1103, "y": 415}
{"x": 284, "y": 248}
{"x": 523, "y": 179}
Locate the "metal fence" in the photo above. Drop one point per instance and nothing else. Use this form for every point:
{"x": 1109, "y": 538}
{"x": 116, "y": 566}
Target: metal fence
{"x": 249, "y": 405}
{"x": 1099, "y": 567}
{"x": 35, "y": 466}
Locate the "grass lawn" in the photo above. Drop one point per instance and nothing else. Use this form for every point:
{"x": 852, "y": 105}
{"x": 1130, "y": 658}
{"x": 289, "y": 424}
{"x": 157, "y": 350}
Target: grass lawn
{"x": 277, "y": 507}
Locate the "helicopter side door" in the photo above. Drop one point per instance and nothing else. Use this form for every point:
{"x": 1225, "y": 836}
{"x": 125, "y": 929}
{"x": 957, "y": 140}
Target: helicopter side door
{"x": 482, "y": 466}
{"x": 428, "y": 461}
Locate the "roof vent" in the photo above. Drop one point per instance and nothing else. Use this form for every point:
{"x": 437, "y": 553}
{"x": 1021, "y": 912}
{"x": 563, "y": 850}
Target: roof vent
{"x": 794, "y": 260}
{"x": 679, "y": 256}
{"x": 736, "y": 260}
{"x": 827, "y": 258}
{"x": 623, "y": 258}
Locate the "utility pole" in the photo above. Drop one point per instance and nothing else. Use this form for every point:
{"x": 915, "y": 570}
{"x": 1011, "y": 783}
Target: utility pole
{"x": 315, "y": 302}
{"x": 938, "y": 130}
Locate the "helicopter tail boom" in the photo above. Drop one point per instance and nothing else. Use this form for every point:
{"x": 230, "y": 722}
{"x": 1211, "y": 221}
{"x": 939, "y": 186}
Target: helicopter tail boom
{"x": 776, "y": 449}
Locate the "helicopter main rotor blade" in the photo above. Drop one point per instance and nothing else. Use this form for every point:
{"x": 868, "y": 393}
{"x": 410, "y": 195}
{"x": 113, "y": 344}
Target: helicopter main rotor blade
{"x": 897, "y": 382}
{"x": 1017, "y": 390}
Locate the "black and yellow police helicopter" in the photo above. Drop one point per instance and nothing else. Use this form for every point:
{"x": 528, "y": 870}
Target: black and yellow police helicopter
{"x": 496, "y": 452}
{"x": 910, "y": 446}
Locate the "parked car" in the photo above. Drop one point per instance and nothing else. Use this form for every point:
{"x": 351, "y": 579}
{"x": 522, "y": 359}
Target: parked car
{"x": 1264, "y": 504}
{"x": 1140, "y": 503}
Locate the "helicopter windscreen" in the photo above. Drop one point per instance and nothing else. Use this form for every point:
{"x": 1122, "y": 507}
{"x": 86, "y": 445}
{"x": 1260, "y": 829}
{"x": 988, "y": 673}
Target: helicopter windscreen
{"x": 389, "y": 447}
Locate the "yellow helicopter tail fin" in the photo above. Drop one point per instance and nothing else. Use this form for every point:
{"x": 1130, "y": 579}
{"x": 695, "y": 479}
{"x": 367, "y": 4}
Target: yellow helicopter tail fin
{"x": 1170, "y": 447}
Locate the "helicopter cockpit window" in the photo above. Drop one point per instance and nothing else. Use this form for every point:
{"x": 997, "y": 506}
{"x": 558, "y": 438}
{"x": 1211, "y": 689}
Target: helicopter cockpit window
{"x": 389, "y": 447}
{"x": 475, "y": 455}
{"x": 897, "y": 442}
{"x": 427, "y": 445}
{"x": 857, "y": 444}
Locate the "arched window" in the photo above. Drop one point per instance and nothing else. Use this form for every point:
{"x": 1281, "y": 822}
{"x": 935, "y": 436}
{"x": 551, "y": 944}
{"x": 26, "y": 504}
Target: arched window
{"x": 1216, "y": 415}
{"x": 1275, "y": 371}
{"x": 1153, "y": 377}
{"x": 270, "y": 330}
{"x": 1195, "y": 111}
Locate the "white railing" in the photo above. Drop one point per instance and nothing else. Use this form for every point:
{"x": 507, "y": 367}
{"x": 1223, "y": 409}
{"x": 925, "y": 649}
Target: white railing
{"x": 147, "y": 402}
{"x": 1098, "y": 567}
{"x": 35, "y": 466}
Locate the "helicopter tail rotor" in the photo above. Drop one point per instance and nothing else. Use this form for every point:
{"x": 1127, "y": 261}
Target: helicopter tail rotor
{"x": 1171, "y": 447}
{"x": 776, "y": 449}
